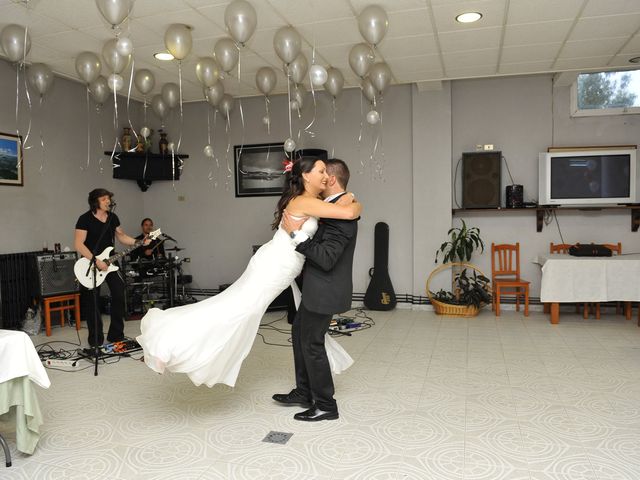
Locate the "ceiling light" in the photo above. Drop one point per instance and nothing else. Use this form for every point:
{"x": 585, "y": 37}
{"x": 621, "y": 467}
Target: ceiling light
{"x": 468, "y": 17}
{"x": 165, "y": 56}
{"x": 634, "y": 60}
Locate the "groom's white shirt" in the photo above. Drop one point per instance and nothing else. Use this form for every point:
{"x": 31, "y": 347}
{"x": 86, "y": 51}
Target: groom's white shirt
{"x": 298, "y": 236}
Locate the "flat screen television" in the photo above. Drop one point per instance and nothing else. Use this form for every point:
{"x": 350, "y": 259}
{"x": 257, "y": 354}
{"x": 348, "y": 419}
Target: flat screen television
{"x": 589, "y": 177}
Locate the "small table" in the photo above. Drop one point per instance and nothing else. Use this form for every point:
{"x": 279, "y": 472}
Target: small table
{"x": 568, "y": 279}
{"x": 21, "y": 367}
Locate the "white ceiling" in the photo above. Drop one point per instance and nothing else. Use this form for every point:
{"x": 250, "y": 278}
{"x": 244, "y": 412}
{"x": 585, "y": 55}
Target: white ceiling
{"x": 424, "y": 43}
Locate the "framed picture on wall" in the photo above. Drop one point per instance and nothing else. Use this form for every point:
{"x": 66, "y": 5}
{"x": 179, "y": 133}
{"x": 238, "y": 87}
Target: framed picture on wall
{"x": 10, "y": 159}
{"x": 259, "y": 169}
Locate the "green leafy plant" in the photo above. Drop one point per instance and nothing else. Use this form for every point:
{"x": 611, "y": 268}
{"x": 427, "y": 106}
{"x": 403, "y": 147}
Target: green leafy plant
{"x": 468, "y": 290}
{"x": 462, "y": 243}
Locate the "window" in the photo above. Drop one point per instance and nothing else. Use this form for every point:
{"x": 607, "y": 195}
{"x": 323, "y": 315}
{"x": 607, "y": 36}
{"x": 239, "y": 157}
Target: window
{"x": 606, "y": 93}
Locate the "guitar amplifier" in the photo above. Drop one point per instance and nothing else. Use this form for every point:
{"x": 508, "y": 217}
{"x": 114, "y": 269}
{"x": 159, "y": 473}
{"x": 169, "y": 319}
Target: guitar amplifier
{"x": 55, "y": 273}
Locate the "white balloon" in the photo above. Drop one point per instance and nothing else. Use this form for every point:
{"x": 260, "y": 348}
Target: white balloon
{"x": 114, "y": 11}
{"x": 226, "y": 105}
{"x": 335, "y": 82}
{"x": 380, "y": 75}
{"x": 145, "y": 132}
{"x": 214, "y": 94}
{"x": 266, "y": 80}
{"x": 144, "y": 80}
{"x": 289, "y": 145}
{"x": 226, "y": 53}
{"x": 12, "y": 40}
{"x": 170, "y": 94}
{"x": 158, "y": 106}
{"x": 124, "y": 46}
{"x": 115, "y": 82}
{"x": 40, "y": 76}
{"x": 266, "y": 120}
{"x": 99, "y": 90}
{"x": 373, "y": 117}
{"x": 88, "y": 66}
{"x": 116, "y": 62}
{"x": 373, "y": 24}
{"x": 207, "y": 71}
{"x": 178, "y": 40}
{"x": 241, "y": 20}
{"x": 208, "y": 151}
{"x": 361, "y": 58}
{"x": 298, "y": 68}
{"x": 287, "y": 44}
{"x": 294, "y": 105}
{"x": 318, "y": 75}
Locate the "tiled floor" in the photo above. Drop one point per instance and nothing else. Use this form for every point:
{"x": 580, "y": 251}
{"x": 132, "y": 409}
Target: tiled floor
{"x": 429, "y": 397}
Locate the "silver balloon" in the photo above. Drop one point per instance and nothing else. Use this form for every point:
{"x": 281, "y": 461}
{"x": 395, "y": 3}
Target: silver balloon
{"x": 335, "y": 82}
{"x": 170, "y": 94}
{"x": 88, "y": 66}
{"x": 287, "y": 44}
{"x": 171, "y": 146}
{"x": 115, "y": 82}
{"x": 40, "y": 77}
{"x": 368, "y": 90}
{"x": 114, "y": 11}
{"x": 144, "y": 80}
{"x": 298, "y": 95}
{"x": 361, "y": 58}
{"x": 289, "y": 145}
{"x": 214, "y": 94}
{"x": 380, "y": 75}
{"x": 266, "y": 80}
{"x": 373, "y": 24}
{"x": 266, "y": 120}
{"x": 226, "y": 53}
{"x": 226, "y": 105}
{"x": 298, "y": 68}
{"x": 158, "y": 106}
{"x": 12, "y": 39}
{"x": 99, "y": 90}
{"x": 373, "y": 117}
{"x": 241, "y": 20}
{"x": 294, "y": 105}
{"x": 208, "y": 151}
{"x": 317, "y": 75}
{"x": 116, "y": 62}
{"x": 178, "y": 40}
{"x": 124, "y": 46}
{"x": 145, "y": 132}
{"x": 207, "y": 71}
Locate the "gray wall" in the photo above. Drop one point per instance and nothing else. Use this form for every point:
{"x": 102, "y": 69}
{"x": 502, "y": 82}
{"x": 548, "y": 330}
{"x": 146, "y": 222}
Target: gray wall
{"x": 423, "y": 135}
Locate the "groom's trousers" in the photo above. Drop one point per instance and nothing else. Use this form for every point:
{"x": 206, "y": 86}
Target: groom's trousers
{"x": 313, "y": 372}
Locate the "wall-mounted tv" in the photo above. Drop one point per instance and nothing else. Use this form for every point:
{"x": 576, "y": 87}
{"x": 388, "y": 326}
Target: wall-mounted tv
{"x": 587, "y": 177}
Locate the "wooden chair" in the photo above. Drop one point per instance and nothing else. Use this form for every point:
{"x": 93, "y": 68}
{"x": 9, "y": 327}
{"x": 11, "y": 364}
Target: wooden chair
{"x": 61, "y": 303}
{"x": 505, "y": 276}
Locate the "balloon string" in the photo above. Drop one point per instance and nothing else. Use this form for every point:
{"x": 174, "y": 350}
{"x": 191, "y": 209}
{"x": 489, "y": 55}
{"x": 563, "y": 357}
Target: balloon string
{"x": 88, "y": 129}
{"x": 113, "y": 154}
{"x": 115, "y": 111}
{"x": 266, "y": 107}
{"x": 173, "y": 169}
{"x": 333, "y": 126}
{"x": 362, "y": 162}
{"x": 240, "y": 105}
{"x": 41, "y": 138}
{"x": 181, "y": 114}
{"x": 215, "y": 118}
{"x": 133, "y": 62}
{"x": 26, "y": 90}
{"x": 99, "y": 112}
{"x": 208, "y": 126}
{"x": 145, "y": 110}
{"x": 18, "y": 104}
{"x": 227, "y": 128}
{"x": 315, "y": 109}
{"x": 289, "y": 100}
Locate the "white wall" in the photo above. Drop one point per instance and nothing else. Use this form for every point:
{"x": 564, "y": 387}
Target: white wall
{"x": 423, "y": 136}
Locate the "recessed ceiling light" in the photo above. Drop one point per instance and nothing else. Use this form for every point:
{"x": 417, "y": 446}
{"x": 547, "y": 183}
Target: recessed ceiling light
{"x": 634, "y": 60}
{"x": 468, "y": 17}
{"x": 163, "y": 56}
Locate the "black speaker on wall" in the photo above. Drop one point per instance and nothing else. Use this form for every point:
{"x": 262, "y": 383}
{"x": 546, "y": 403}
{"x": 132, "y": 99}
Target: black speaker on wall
{"x": 317, "y": 153}
{"x": 481, "y": 179}
{"x": 55, "y": 273}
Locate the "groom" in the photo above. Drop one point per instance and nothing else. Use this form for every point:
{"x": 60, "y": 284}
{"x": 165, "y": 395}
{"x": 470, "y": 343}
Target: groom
{"x": 326, "y": 289}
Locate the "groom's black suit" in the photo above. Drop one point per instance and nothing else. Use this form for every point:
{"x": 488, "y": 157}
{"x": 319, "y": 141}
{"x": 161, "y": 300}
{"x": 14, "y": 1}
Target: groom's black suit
{"x": 326, "y": 289}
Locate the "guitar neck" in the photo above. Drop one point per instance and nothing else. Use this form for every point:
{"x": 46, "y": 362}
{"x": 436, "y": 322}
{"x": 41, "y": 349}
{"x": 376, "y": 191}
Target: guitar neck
{"x": 118, "y": 256}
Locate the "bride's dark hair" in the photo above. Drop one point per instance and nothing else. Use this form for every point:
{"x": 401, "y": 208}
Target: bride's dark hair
{"x": 293, "y": 186}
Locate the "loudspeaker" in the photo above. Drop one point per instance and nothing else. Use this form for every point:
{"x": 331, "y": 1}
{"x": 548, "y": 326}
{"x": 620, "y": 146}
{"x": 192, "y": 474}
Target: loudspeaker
{"x": 55, "y": 274}
{"x": 514, "y": 196}
{"x": 481, "y": 179}
{"x": 316, "y": 153}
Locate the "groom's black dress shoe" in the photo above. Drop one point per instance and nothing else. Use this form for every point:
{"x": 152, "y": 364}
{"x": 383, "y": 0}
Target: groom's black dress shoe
{"x": 315, "y": 415}
{"x": 292, "y": 398}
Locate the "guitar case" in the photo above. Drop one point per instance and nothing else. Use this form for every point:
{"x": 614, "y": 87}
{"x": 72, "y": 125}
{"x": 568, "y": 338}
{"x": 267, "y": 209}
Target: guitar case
{"x": 380, "y": 294}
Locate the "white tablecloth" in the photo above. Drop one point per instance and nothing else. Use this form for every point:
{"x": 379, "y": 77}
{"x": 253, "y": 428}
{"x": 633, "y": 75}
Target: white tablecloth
{"x": 18, "y": 358}
{"x": 589, "y": 279}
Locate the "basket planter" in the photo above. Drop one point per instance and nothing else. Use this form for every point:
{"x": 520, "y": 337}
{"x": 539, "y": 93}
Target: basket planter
{"x": 442, "y": 308}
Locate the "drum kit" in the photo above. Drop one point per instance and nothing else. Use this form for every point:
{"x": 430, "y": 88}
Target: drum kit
{"x": 154, "y": 282}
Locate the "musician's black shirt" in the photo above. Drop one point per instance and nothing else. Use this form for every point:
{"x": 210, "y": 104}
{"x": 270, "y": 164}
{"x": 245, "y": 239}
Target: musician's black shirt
{"x": 88, "y": 222}
{"x": 158, "y": 250}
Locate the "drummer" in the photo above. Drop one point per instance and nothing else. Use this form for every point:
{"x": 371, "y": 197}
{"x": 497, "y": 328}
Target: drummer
{"x": 153, "y": 251}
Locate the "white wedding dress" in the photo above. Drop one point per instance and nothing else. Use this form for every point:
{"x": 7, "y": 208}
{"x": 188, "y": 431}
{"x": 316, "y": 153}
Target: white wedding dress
{"x": 209, "y": 340}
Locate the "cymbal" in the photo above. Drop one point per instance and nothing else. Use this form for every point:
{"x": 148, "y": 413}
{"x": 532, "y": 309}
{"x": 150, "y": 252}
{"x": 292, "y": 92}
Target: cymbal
{"x": 173, "y": 249}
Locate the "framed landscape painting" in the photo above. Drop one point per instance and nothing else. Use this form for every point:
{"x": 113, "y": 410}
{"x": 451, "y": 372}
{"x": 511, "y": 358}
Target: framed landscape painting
{"x": 10, "y": 159}
{"x": 259, "y": 169}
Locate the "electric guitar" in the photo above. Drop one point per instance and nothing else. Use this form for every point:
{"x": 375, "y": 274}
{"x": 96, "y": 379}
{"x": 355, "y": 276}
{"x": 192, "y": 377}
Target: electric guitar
{"x": 84, "y": 270}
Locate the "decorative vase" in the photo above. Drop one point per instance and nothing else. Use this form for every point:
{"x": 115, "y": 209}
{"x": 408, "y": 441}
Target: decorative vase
{"x": 126, "y": 139}
{"x": 164, "y": 143}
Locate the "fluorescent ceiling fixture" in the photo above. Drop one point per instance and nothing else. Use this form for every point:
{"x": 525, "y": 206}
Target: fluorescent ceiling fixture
{"x": 468, "y": 17}
{"x": 163, "y": 56}
{"x": 634, "y": 60}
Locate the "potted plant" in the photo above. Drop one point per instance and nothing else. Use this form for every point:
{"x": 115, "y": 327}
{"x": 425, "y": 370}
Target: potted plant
{"x": 470, "y": 291}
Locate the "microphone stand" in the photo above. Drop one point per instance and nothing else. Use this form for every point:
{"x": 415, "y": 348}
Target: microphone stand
{"x": 96, "y": 310}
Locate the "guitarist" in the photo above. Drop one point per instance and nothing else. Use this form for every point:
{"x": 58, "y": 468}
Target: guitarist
{"x": 96, "y": 230}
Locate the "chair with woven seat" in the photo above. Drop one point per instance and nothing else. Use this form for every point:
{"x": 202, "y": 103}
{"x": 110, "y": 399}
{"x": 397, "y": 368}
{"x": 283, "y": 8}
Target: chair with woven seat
{"x": 505, "y": 276}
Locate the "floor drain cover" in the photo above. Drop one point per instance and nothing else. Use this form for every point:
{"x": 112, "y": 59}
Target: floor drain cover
{"x": 277, "y": 437}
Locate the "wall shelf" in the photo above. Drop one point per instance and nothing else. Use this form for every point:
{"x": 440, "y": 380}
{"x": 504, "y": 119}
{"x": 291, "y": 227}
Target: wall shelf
{"x": 541, "y": 210}
{"x": 131, "y": 166}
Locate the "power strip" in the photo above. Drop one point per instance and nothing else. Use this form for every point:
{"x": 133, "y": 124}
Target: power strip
{"x": 61, "y": 363}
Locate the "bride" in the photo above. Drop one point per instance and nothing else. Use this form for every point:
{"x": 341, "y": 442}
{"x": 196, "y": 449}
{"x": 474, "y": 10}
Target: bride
{"x": 209, "y": 340}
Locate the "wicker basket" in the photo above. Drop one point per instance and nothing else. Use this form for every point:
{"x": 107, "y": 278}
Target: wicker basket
{"x": 442, "y": 308}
